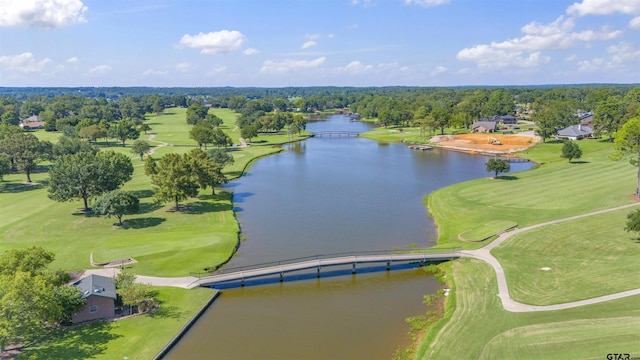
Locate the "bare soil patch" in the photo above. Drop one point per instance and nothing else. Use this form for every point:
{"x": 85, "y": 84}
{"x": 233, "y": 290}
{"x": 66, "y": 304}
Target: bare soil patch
{"x": 485, "y": 142}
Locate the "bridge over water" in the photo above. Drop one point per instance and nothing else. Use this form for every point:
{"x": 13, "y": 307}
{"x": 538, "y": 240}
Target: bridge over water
{"x": 318, "y": 262}
{"x": 336, "y": 133}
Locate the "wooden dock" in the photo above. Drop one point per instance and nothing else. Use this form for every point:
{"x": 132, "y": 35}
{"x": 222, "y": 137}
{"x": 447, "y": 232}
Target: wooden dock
{"x": 420, "y": 147}
{"x": 321, "y": 261}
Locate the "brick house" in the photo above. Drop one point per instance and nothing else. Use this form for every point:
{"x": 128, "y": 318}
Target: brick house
{"x": 99, "y": 292}
{"x": 484, "y": 126}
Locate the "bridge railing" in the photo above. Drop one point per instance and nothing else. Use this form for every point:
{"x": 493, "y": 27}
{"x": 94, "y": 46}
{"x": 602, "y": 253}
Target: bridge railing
{"x": 225, "y": 270}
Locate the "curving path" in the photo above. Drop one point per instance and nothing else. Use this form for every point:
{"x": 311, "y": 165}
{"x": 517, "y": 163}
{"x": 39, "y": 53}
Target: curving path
{"x": 483, "y": 254}
{"x": 508, "y": 303}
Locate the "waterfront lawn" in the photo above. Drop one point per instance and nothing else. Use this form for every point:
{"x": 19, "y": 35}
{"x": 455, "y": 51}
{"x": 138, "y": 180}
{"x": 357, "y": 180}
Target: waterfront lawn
{"x": 571, "y": 261}
{"x": 479, "y": 328}
{"x": 487, "y": 230}
{"x": 139, "y": 337}
{"x": 554, "y": 190}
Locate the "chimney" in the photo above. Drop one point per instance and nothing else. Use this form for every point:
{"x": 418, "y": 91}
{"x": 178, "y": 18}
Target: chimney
{"x": 580, "y": 127}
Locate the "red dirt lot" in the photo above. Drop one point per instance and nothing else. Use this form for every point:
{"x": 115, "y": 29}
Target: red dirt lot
{"x": 485, "y": 142}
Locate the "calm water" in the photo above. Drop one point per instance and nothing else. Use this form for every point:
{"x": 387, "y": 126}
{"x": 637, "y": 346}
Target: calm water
{"x": 323, "y": 196}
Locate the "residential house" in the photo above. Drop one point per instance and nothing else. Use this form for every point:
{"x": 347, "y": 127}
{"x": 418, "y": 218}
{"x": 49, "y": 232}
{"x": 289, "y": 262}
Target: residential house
{"x": 99, "y": 292}
{"x": 506, "y": 119}
{"x": 480, "y": 126}
{"x": 575, "y": 132}
{"x": 32, "y": 123}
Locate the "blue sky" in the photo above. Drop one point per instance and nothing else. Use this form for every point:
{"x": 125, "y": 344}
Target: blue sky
{"x": 280, "y": 43}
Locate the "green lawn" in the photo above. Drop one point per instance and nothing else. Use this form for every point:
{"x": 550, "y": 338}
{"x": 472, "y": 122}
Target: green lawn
{"x": 479, "y": 328}
{"x": 571, "y": 261}
{"x": 554, "y": 190}
{"x": 164, "y": 243}
{"x": 487, "y": 230}
{"x": 565, "y": 262}
{"x": 140, "y": 337}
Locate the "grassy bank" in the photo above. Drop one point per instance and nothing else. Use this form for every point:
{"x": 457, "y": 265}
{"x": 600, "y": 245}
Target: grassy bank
{"x": 554, "y": 264}
{"x": 164, "y": 243}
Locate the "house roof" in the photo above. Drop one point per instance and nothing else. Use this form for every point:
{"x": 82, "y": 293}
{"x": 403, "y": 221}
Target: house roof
{"x": 96, "y": 285}
{"x": 485, "y": 124}
{"x": 576, "y": 131}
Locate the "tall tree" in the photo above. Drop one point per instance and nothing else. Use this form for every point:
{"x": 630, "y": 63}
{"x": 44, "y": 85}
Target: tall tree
{"x": 124, "y": 130}
{"x": 26, "y": 151}
{"x": 84, "y": 175}
{"x": 202, "y": 133}
{"x": 608, "y": 115}
{"x": 627, "y": 145}
{"x": 206, "y": 171}
{"x": 173, "y": 179}
{"x": 5, "y": 166}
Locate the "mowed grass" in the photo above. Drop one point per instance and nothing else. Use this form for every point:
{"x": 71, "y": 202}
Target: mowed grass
{"x": 571, "y": 261}
{"x": 588, "y": 257}
{"x": 557, "y": 189}
{"x": 487, "y": 230}
{"x": 140, "y": 337}
{"x": 479, "y": 328}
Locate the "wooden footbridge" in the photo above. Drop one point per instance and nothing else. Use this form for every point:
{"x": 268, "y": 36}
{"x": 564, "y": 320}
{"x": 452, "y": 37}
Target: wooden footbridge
{"x": 318, "y": 262}
{"x": 336, "y": 133}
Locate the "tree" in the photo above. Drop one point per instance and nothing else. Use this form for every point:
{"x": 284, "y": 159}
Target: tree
{"x": 117, "y": 203}
{"x": 5, "y": 166}
{"x": 571, "y": 150}
{"x": 124, "y": 130}
{"x": 84, "y": 175}
{"x": 92, "y": 132}
{"x": 145, "y": 128}
{"x": 132, "y": 293}
{"x": 627, "y": 145}
{"x": 30, "y": 296}
{"x": 633, "y": 221}
{"x": 206, "y": 171}
{"x": 498, "y": 166}
{"x": 249, "y": 132}
{"x": 196, "y": 112}
{"x": 220, "y": 138}
{"x": 173, "y": 179}
{"x": 608, "y": 115}
{"x": 220, "y": 156}
{"x": 140, "y": 147}
{"x": 202, "y": 133}
{"x": 71, "y": 145}
{"x": 150, "y": 167}
{"x": 26, "y": 151}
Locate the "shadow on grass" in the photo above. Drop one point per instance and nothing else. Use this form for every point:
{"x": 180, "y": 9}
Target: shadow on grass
{"x": 141, "y": 194}
{"x": 78, "y": 342}
{"x": 507, "y": 177}
{"x": 167, "y": 312}
{"x": 579, "y": 162}
{"x": 201, "y": 207}
{"x": 13, "y": 187}
{"x": 142, "y": 223}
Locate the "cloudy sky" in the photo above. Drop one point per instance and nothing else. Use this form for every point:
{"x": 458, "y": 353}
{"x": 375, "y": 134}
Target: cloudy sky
{"x": 279, "y": 43}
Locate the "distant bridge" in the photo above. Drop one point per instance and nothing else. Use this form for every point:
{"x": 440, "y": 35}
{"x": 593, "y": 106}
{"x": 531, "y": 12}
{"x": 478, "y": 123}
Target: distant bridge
{"x": 337, "y": 133}
{"x": 279, "y": 268}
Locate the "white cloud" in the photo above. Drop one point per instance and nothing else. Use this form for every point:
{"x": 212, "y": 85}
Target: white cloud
{"x": 365, "y": 3}
{"x": 72, "y": 60}
{"x": 47, "y": 14}
{"x": 604, "y": 7}
{"x": 356, "y": 67}
{"x": 183, "y": 66}
{"x": 290, "y": 65}
{"x": 217, "y": 70}
{"x": 571, "y": 57}
{"x": 220, "y": 42}
{"x": 635, "y": 23}
{"x": 23, "y": 63}
{"x": 312, "y": 36}
{"x": 426, "y": 3}
{"x": 330, "y": 36}
{"x": 438, "y": 70}
{"x": 624, "y": 53}
{"x": 151, "y": 72}
{"x": 251, "y": 51}
{"x": 525, "y": 51}
{"x": 100, "y": 70}
{"x": 590, "y": 65}
{"x": 308, "y": 44}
